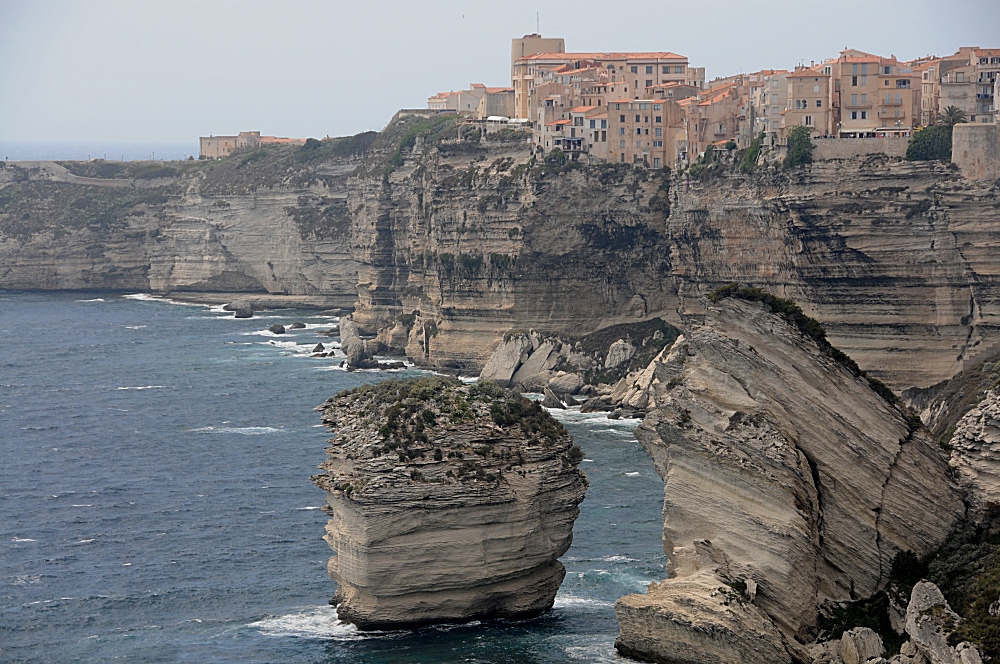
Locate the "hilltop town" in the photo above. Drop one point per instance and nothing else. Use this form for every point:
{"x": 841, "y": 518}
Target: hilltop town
{"x": 656, "y": 109}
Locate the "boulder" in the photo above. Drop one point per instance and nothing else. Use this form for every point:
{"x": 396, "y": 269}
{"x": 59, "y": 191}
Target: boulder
{"x": 318, "y": 348}
{"x": 859, "y": 645}
{"x": 506, "y": 359}
{"x": 543, "y": 358}
{"x": 276, "y": 329}
{"x": 636, "y": 306}
{"x": 353, "y": 346}
{"x": 241, "y": 308}
{"x": 619, "y": 353}
{"x": 297, "y": 326}
{"x": 567, "y": 383}
{"x": 930, "y": 621}
{"x": 597, "y": 404}
{"x": 551, "y": 400}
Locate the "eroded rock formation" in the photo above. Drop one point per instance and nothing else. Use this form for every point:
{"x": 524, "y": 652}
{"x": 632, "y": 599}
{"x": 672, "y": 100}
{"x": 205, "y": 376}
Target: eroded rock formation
{"x": 447, "y": 503}
{"x": 781, "y": 467}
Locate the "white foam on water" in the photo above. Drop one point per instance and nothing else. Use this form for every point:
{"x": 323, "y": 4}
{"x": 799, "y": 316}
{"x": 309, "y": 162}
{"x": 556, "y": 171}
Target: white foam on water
{"x": 25, "y": 579}
{"x": 22, "y": 539}
{"x": 596, "y": 653}
{"x": 632, "y": 474}
{"x": 245, "y": 431}
{"x": 311, "y": 507}
{"x": 96, "y": 299}
{"x": 134, "y": 327}
{"x": 146, "y": 297}
{"x": 88, "y": 505}
{"x": 619, "y": 559}
{"x": 315, "y": 623}
{"x": 144, "y": 387}
{"x": 83, "y": 541}
{"x": 317, "y": 326}
{"x": 564, "y": 601}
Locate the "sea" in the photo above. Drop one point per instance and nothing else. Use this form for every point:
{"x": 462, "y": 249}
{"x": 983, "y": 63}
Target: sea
{"x": 155, "y": 503}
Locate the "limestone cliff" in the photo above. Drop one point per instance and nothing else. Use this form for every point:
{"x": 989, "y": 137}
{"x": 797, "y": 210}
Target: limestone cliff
{"x": 446, "y": 242}
{"x": 785, "y": 474}
{"x": 447, "y": 503}
{"x": 264, "y": 226}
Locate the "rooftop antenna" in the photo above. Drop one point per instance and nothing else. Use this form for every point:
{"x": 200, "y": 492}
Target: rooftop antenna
{"x": 538, "y": 25}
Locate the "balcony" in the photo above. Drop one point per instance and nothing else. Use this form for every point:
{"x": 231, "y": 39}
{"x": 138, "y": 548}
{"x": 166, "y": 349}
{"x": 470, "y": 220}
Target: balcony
{"x": 889, "y": 102}
{"x": 862, "y": 105}
{"x": 891, "y": 115}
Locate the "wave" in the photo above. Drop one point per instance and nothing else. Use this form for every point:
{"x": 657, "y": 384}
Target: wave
{"x": 310, "y": 507}
{"x": 144, "y": 387}
{"x": 315, "y": 623}
{"x": 245, "y": 431}
{"x": 134, "y": 327}
{"x": 633, "y": 474}
{"x": 22, "y": 539}
{"x": 96, "y": 299}
{"x": 564, "y": 601}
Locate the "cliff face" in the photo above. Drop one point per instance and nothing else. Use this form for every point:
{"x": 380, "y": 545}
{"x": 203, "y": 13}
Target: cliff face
{"x": 447, "y": 503}
{"x": 893, "y": 257}
{"x": 200, "y": 230}
{"x": 446, "y": 243}
{"x": 788, "y": 483}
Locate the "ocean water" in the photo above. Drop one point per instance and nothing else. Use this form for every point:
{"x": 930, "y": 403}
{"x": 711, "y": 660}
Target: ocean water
{"x": 155, "y": 503}
{"x": 112, "y": 151}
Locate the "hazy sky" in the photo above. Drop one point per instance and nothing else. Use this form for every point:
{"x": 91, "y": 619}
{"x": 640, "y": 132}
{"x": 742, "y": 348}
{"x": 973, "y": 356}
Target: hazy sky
{"x": 171, "y": 70}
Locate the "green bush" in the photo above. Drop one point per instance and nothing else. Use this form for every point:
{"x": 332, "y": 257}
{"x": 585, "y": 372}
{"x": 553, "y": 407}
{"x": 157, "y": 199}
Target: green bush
{"x": 930, "y": 143}
{"x": 800, "y": 147}
{"x": 749, "y": 162}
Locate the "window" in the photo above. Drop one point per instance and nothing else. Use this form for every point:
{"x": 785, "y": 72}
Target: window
{"x": 621, "y": 144}
{"x": 637, "y": 118}
{"x": 638, "y": 131}
{"x": 656, "y": 162}
{"x": 621, "y": 131}
{"x": 578, "y": 121}
{"x": 864, "y": 99}
{"x": 622, "y": 155}
{"x": 618, "y": 107}
{"x": 807, "y": 120}
{"x": 604, "y": 137}
{"x": 593, "y": 124}
{"x": 886, "y": 70}
{"x": 815, "y": 88}
{"x": 864, "y": 80}
{"x": 903, "y": 83}
{"x": 774, "y": 84}
{"x": 638, "y": 143}
{"x": 621, "y": 118}
{"x": 864, "y": 68}
{"x": 819, "y": 103}
{"x": 775, "y": 110}
{"x": 678, "y": 70}
{"x": 657, "y": 107}
{"x": 984, "y": 61}
{"x": 604, "y": 124}
{"x": 854, "y": 115}
{"x": 854, "y": 81}
{"x": 635, "y": 70}
{"x": 854, "y": 68}
{"x": 657, "y": 144}
{"x": 649, "y": 69}
{"x": 649, "y": 82}
{"x": 644, "y": 106}
{"x": 666, "y": 69}
{"x": 864, "y": 115}
{"x": 659, "y": 119}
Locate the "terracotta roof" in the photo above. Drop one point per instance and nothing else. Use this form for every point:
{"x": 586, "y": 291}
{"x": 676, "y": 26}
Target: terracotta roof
{"x": 494, "y": 91}
{"x": 557, "y": 122}
{"x": 581, "y": 109}
{"x": 659, "y": 55}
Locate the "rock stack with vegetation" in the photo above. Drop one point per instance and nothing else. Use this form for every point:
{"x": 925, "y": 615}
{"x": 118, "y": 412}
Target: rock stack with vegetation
{"x": 447, "y": 502}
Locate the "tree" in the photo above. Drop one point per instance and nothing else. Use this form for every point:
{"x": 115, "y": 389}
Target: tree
{"x": 800, "y": 147}
{"x": 951, "y": 116}
{"x": 932, "y": 142}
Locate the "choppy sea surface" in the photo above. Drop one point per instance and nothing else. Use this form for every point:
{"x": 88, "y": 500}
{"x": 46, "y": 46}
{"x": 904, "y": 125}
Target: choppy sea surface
{"x": 155, "y": 503}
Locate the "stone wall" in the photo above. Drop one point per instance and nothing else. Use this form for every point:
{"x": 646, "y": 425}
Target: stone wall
{"x": 976, "y": 150}
{"x": 845, "y": 148}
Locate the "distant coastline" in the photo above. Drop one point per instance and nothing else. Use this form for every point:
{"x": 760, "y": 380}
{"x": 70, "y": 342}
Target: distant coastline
{"x": 111, "y": 150}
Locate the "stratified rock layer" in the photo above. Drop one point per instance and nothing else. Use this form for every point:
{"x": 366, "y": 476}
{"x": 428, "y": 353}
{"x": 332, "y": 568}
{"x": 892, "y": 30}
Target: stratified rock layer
{"x": 976, "y": 452}
{"x": 447, "y": 503}
{"x": 781, "y": 468}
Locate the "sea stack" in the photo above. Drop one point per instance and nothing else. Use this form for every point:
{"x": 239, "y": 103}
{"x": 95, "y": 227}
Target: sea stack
{"x": 447, "y": 503}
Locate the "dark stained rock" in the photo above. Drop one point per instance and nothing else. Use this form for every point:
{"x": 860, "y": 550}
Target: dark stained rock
{"x": 297, "y": 326}
{"x": 277, "y": 329}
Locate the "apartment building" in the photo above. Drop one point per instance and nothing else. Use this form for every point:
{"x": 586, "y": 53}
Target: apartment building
{"x": 635, "y": 71}
{"x": 715, "y": 115}
{"x": 769, "y": 101}
{"x": 807, "y": 103}
{"x": 874, "y": 96}
{"x": 644, "y": 131}
{"x": 220, "y": 147}
{"x": 583, "y": 132}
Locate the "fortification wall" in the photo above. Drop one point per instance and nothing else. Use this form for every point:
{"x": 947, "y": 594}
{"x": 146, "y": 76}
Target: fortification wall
{"x": 845, "y": 148}
{"x": 976, "y": 150}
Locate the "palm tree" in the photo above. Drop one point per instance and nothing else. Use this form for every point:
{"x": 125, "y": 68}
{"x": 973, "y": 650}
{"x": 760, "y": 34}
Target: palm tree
{"x": 951, "y": 116}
